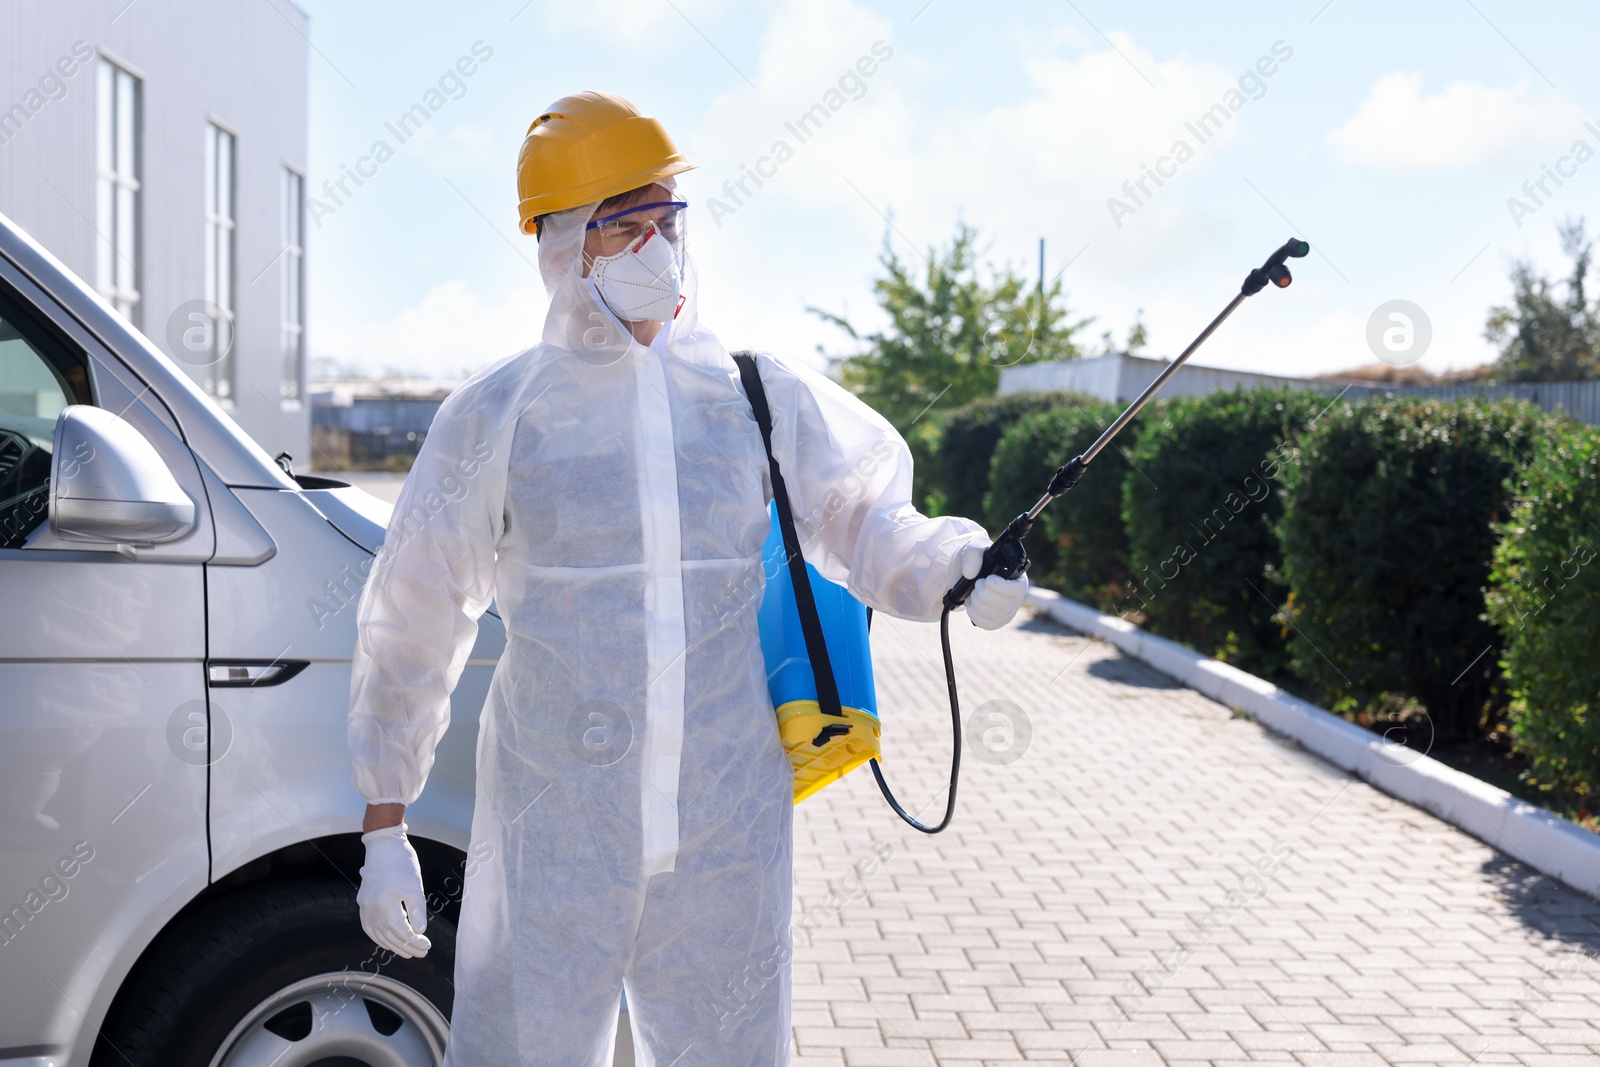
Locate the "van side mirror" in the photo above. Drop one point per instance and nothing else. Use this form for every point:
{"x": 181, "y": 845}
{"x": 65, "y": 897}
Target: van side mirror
{"x": 107, "y": 483}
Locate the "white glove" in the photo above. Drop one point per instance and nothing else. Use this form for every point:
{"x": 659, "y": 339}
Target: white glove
{"x": 994, "y": 600}
{"x": 394, "y": 910}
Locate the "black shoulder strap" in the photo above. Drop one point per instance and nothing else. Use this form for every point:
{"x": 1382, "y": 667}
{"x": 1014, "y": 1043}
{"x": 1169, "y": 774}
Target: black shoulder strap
{"x": 805, "y": 599}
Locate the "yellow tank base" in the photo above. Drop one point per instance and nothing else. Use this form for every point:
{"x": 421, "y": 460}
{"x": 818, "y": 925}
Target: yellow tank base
{"x": 802, "y": 725}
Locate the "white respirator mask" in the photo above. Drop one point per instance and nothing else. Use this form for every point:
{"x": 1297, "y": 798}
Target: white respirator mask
{"x": 643, "y": 282}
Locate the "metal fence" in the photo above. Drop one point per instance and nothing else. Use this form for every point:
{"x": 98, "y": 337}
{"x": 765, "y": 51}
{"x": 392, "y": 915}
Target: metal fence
{"x": 1581, "y": 400}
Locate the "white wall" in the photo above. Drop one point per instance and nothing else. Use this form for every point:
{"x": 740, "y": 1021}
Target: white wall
{"x": 1120, "y": 378}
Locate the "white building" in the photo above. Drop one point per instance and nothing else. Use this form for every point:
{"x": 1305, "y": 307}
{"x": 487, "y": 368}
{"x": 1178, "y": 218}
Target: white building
{"x": 1121, "y": 377}
{"x": 158, "y": 149}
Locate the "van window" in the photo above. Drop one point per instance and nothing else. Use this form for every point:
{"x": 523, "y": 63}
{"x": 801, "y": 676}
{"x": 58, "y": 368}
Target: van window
{"x": 38, "y": 378}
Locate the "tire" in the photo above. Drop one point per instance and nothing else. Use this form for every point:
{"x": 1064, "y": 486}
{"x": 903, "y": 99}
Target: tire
{"x": 282, "y": 975}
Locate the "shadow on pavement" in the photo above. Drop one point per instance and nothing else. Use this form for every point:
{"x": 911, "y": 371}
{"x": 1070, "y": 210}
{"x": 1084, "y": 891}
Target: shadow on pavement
{"x": 1125, "y": 671}
{"x": 1545, "y": 906}
{"x": 1040, "y": 624}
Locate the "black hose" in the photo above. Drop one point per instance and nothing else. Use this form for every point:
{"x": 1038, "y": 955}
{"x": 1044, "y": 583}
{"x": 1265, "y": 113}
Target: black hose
{"x": 955, "y": 740}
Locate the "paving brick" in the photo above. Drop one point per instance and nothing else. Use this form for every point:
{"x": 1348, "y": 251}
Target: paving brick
{"x": 824, "y": 1058}
{"x": 1207, "y": 1049}
{"x": 1478, "y": 1043}
{"x": 1119, "y": 1058}
{"x": 822, "y": 1037}
{"x": 950, "y": 1049}
{"x": 887, "y": 1057}
{"x": 1277, "y": 1041}
{"x": 1422, "y": 1052}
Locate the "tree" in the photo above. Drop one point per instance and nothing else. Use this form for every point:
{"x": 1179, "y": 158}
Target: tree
{"x": 1543, "y": 338}
{"x": 951, "y": 330}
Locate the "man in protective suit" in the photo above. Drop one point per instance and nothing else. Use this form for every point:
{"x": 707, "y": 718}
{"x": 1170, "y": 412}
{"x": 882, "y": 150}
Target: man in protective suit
{"x": 608, "y": 488}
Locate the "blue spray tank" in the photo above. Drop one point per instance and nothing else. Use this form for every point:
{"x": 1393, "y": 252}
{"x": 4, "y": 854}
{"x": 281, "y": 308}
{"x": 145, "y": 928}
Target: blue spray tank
{"x": 823, "y": 747}
{"x": 813, "y": 641}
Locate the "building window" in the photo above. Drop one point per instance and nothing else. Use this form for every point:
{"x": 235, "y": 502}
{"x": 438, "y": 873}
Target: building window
{"x": 219, "y": 259}
{"x": 117, "y": 188}
{"x": 292, "y": 300}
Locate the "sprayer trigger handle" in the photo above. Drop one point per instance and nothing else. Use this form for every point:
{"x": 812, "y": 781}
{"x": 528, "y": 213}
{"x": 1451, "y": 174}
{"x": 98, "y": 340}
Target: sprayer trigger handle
{"x": 1005, "y": 557}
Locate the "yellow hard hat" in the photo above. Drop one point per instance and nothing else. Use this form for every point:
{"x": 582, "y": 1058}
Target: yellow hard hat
{"x": 584, "y": 148}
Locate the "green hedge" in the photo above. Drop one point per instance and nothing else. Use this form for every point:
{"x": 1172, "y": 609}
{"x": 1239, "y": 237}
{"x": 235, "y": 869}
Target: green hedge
{"x": 1545, "y": 599}
{"x": 1078, "y": 546}
{"x": 1201, "y": 509}
{"x": 959, "y": 480}
{"x": 1387, "y": 535}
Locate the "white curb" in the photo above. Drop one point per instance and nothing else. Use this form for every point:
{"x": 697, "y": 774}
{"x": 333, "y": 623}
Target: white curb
{"x": 1526, "y": 832}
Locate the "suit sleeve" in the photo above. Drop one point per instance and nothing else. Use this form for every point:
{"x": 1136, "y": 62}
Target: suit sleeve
{"x": 418, "y": 617}
{"x": 849, "y": 478}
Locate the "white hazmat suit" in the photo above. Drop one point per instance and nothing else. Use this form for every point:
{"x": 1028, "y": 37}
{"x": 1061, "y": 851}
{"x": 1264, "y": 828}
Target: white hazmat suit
{"x": 633, "y": 796}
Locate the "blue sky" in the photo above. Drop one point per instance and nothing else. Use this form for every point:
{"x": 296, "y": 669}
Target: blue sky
{"x": 1390, "y": 136}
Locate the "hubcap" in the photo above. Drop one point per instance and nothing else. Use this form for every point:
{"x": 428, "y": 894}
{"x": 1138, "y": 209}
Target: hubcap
{"x": 338, "y": 1019}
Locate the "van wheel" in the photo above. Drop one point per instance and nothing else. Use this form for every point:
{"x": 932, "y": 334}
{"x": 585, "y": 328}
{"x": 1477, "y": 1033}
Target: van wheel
{"x": 283, "y": 976}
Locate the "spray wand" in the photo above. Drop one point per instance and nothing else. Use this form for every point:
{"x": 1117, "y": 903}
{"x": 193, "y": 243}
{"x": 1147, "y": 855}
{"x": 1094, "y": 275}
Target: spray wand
{"x": 1006, "y": 556}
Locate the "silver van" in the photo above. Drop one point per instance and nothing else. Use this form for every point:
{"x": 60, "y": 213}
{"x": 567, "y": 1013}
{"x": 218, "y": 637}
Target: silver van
{"x": 179, "y": 839}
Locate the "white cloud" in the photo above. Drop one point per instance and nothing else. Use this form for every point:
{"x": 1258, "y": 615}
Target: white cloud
{"x": 451, "y": 332}
{"x": 629, "y": 20}
{"x": 1400, "y": 127}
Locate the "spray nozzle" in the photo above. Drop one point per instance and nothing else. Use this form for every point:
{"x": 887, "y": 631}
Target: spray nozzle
{"x": 1273, "y": 269}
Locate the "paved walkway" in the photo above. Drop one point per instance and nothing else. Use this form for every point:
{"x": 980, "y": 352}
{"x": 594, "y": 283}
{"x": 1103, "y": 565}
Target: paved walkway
{"x": 1155, "y": 881}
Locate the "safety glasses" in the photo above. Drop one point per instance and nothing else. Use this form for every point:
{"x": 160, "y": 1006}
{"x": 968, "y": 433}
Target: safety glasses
{"x": 623, "y": 227}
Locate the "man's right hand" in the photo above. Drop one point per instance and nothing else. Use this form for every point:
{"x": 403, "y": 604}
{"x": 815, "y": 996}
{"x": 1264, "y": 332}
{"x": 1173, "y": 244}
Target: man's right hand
{"x": 394, "y": 910}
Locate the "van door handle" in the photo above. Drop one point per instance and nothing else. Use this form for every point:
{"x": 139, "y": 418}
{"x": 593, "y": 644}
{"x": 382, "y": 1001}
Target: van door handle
{"x": 252, "y": 673}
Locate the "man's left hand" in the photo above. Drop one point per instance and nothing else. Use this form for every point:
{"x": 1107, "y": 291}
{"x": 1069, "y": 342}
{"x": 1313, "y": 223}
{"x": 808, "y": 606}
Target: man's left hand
{"x": 994, "y": 600}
